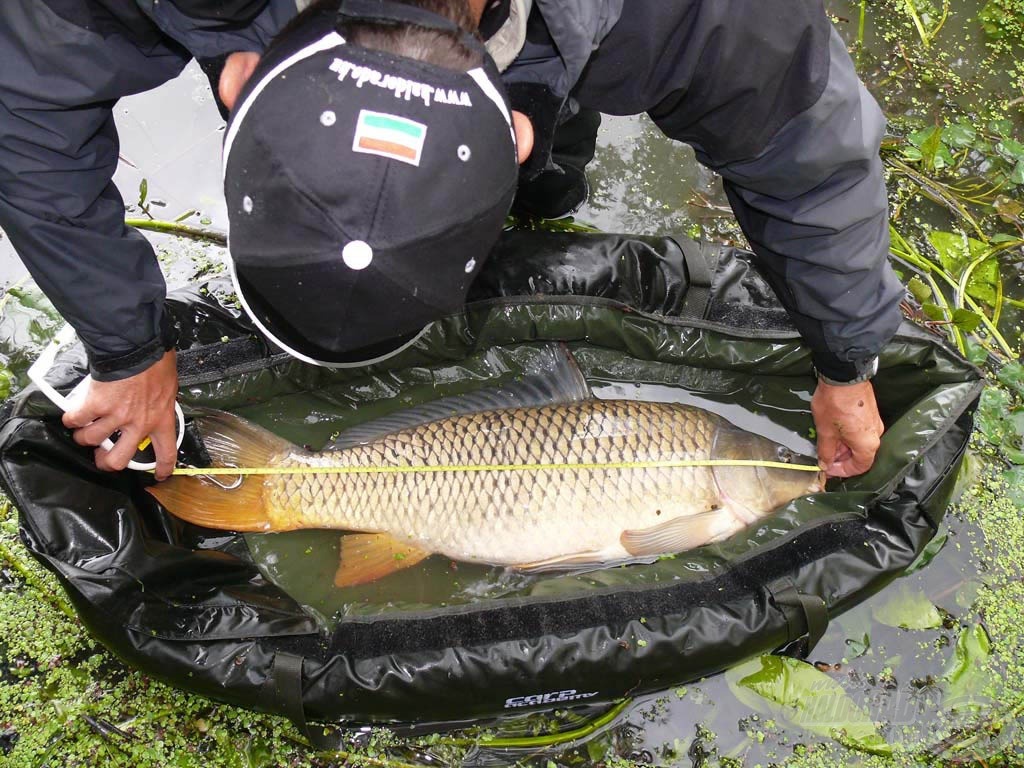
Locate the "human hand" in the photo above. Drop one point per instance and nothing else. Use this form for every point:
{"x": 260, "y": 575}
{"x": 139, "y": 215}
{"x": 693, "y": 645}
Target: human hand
{"x": 238, "y": 68}
{"x": 139, "y": 406}
{"x": 524, "y": 135}
{"x": 848, "y": 426}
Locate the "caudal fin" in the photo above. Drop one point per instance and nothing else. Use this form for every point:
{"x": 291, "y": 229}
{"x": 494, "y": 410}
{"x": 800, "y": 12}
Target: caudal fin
{"x": 231, "y": 442}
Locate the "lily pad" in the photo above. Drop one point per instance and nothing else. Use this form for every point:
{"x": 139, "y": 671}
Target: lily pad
{"x": 908, "y": 609}
{"x": 797, "y": 692}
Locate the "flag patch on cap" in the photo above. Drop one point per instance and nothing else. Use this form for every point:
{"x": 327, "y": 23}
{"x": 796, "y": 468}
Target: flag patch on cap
{"x": 391, "y": 136}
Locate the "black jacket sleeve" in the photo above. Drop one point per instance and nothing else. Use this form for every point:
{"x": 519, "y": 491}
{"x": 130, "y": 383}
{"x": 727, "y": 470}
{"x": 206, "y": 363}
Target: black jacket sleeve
{"x": 58, "y": 151}
{"x": 64, "y": 65}
{"x": 767, "y": 95}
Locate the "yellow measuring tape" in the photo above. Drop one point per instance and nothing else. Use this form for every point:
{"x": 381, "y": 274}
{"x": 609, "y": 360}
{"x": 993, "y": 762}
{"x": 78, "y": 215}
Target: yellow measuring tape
{"x": 427, "y": 468}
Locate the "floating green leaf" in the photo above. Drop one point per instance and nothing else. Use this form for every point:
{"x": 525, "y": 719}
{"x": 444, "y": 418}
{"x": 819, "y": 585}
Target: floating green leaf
{"x": 974, "y": 352}
{"x": 959, "y": 134}
{"x": 1010, "y": 149}
{"x": 966, "y": 320}
{"x": 956, "y": 251}
{"x": 919, "y": 289}
{"x": 992, "y": 409}
{"x": 859, "y": 647}
{"x": 143, "y": 192}
{"x": 35, "y": 300}
{"x": 1017, "y": 174}
{"x": 1008, "y": 210}
{"x": 6, "y": 383}
{"x": 1002, "y": 126}
{"x": 796, "y": 691}
{"x": 933, "y": 311}
{"x": 1012, "y": 375}
{"x": 926, "y": 146}
{"x": 1014, "y": 479}
{"x": 966, "y": 676}
{"x": 931, "y": 549}
{"x": 998, "y": 422}
{"x": 908, "y": 609}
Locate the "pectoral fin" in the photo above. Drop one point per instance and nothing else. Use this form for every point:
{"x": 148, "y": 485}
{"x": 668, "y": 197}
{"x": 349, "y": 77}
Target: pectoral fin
{"x": 366, "y": 557}
{"x": 675, "y": 535}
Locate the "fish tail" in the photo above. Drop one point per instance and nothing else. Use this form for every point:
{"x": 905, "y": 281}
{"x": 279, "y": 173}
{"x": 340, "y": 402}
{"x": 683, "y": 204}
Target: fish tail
{"x": 230, "y": 442}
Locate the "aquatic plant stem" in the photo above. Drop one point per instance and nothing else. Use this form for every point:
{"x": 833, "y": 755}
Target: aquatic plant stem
{"x": 909, "y": 253}
{"x": 30, "y": 579}
{"x": 917, "y": 21}
{"x": 860, "y": 23}
{"x": 937, "y": 192}
{"x": 942, "y": 21}
{"x": 181, "y": 230}
{"x": 997, "y": 720}
{"x": 550, "y": 740}
{"x": 7, "y": 293}
{"x": 354, "y": 758}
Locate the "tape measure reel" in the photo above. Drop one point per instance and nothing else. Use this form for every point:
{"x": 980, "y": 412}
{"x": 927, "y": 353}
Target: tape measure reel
{"x": 145, "y": 457}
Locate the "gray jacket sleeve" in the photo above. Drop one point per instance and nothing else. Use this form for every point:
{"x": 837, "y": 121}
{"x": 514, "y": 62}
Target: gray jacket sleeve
{"x": 813, "y": 206}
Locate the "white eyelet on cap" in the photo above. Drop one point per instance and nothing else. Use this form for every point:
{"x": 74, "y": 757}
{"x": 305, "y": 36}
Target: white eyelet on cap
{"x": 463, "y": 152}
{"x": 247, "y": 204}
{"x": 327, "y": 118}
{"x": 357, "y": 255}
{"x": 470, "y": 265}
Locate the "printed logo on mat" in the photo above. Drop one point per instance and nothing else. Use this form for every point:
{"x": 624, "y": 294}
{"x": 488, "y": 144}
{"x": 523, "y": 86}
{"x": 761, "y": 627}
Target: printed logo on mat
{"x": 552, "y": 697}
{"x": 399, "y": 138}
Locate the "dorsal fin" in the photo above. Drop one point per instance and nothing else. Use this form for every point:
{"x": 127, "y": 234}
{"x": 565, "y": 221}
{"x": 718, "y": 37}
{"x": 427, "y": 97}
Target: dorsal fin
{"x": 552, "y": 377}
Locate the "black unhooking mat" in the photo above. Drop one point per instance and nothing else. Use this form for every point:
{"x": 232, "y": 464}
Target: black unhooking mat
{"x": 194, "y": 607}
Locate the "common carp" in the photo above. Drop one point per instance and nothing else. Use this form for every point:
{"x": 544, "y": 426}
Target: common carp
{"x": 531, "y": 518}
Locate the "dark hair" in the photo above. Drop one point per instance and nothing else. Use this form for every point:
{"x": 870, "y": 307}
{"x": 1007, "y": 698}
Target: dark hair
{"x": 433, "y": 46}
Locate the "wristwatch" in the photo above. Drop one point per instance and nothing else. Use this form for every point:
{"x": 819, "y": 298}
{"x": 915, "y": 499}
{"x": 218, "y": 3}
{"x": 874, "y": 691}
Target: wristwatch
{"x": 865, "y": 370}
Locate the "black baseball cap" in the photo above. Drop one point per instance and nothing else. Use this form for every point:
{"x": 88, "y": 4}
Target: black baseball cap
{"x": 364, "y": 189}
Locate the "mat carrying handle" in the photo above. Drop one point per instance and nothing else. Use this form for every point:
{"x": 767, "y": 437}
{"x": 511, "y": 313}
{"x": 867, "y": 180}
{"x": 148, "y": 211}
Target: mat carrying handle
{"x": 806, "y": 617}
{"x": 282, "y": 693}
{"x": 701, "y": 261}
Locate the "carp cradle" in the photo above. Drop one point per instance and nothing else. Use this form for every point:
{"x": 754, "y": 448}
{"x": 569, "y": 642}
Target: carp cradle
{"x": 194, "y": 609}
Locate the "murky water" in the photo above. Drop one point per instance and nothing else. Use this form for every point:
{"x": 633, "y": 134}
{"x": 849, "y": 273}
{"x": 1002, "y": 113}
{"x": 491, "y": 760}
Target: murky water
{"x": 641, "y": 183}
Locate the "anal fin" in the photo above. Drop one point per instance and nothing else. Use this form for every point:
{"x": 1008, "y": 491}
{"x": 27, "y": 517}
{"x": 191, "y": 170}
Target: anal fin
{"x": 678, "y": 534}
{"x": 366, "y": 557}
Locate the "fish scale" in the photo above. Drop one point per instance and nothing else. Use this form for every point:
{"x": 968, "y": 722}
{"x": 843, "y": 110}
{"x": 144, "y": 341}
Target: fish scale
{"x": 518, "y": 517}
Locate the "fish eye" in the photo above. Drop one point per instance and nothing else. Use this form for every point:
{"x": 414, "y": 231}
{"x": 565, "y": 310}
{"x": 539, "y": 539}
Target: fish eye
{"x": 785, "y": 454}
